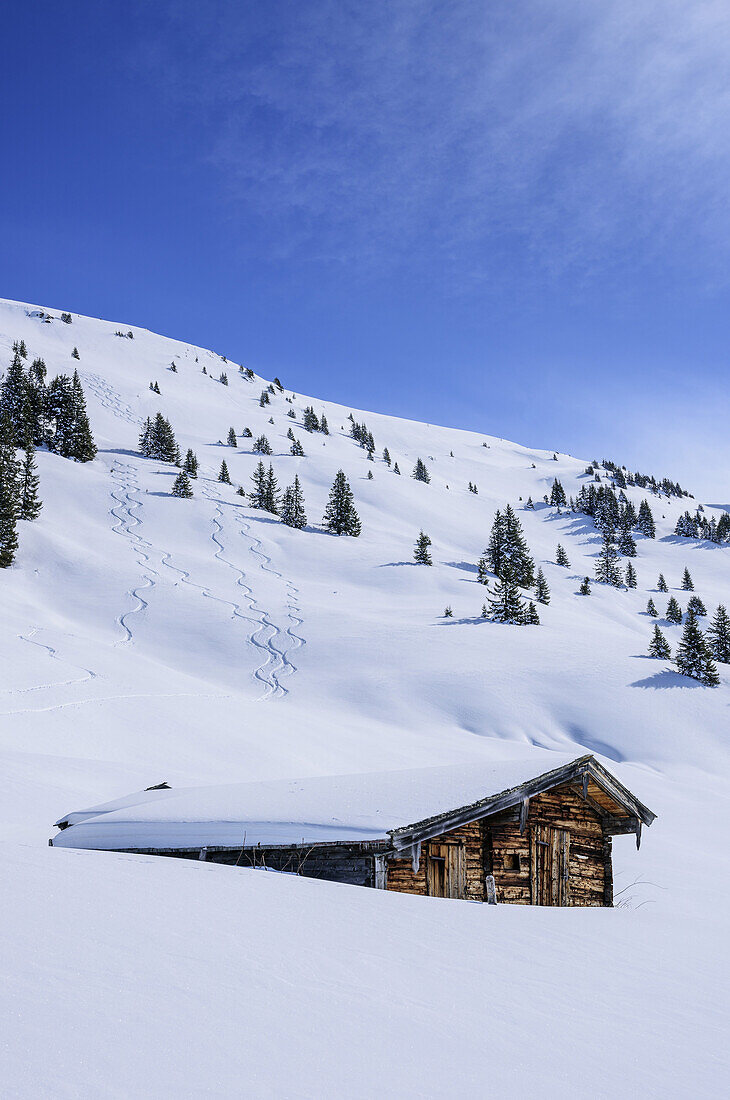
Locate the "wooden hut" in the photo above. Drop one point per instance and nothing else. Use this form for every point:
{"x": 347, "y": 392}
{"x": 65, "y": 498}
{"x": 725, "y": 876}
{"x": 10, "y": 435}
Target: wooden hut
{"x": 542, "y": 839}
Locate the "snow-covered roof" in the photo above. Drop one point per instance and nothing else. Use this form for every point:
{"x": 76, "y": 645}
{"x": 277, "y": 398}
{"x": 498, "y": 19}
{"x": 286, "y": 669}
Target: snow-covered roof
{"x": 362, "y": 807}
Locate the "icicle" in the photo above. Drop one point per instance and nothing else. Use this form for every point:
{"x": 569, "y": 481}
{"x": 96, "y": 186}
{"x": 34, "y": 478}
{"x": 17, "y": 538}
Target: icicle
{"x": 416, "y": 857}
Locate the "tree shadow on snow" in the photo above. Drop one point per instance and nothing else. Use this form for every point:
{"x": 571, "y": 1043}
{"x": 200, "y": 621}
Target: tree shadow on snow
{"x": 393, "y": 564}
{"x": 466, "y": 566}
{"x": 119, "y": 451}
{"x": 665, "y": 679}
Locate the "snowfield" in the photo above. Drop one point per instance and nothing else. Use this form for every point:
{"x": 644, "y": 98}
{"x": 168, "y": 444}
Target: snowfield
{"x": 147, "y": 638}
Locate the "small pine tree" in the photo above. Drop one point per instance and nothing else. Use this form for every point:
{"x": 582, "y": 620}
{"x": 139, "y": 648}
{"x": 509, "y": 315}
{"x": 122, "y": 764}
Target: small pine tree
{"x": 421, "y": 552}
{"x": 542, "y": 591}
{"x": 8, "y": 523}
{"x": 190, "y": 465}
{"x": 247, "y": 433}
{"x": 483, "y": 571}
{"x": 448, "y": 612}
{"x": 687, "y": 583}
{"x": 585, "y": 587}
{"x": 693, "y": 655}
{"x": 607, "y": 570}
{"x": 718, "y": 636}
{"x": 396, "y": 469}
{"x": 420, "y": 472}
{"x": 561, "y": 557}
{"x": 297, "y": 449}
{"x": 29, "y": 507}
{"x": 659, "y": 646}
{"x": 223, "y": 475}
{"x": 651, "y": 608}
{"x": 323, "y": 425}
{"x": 182, "y": 486}
{"x": 531, "y": 617}
{"x": 75, "y": 354}
{"x": 386, "y": 456}
{"x": 626, "y": 544}
{"x": 223, "y": 378}
{"x": 485, "y": 611}
{"x": 505, "y": 602}
{"x": 232, "y": 441}
{"x": 271, "y": 492}
{"x": 661, "y": 584}
{"x": 370, "y": 475}
{"x": 292, "y": 506}
{"x": 258, "y": 496}
{"x": 673, "y": 612}
{"x": 696, "y": 607}
{"x": 262, "y": 446}
{"x": 630, "y": 576}
{"x": 340, "y": 517}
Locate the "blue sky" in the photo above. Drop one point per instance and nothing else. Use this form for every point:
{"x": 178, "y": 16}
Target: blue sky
{"x": 508, "y": 216}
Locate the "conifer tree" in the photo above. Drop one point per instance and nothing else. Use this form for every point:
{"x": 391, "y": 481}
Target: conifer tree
{"x": 386, "y": 456}
{"x": 651, "y": 608}
{"x": 557, "y": 494}
{"x": 659, "y": 646}
{"x": 483, "y": 571}
{"x": 630, "y": 576}
{"x": 626, "y": 544}
{"x": 662, "y": 584}
{"x": 297, "y": 449}
{"x": 421, "y": 553}
{"x": 83, "y": 448}
{"x": 370, "y": 475}
{"x": 645, "y": 520}
{"x": 420, "y": 472}
{"x": 561, "y": 557}
{"x": 323, "y": 425}
{"x": 271, "y": 492}
{"x": 529, "y": 504}
{"x": 718, "y": 636}
{"x": 531, "y": 617}
{"x": 22, "y": 350}
{"x": 223, "y": 475}
{"x": 340, "y": 517}
{"x": 258, "y": 496}
{"x": 485, "y": 611}
{"x": 507, "y": 550}
{"x": 145, "y": 438}
{"x": 542, "y": 591}
{"x": 290, "y": 435}
{"x": 247, "y": 433}
{"x": 607, "y": 570}
{"x": 8, "y": 494}
{"x": 292, "y": 506}
{"x": 687, "y": 583}
{"x": 75, "y": 354}
{"x": 262, "y": 446}
{"x": 694, "y": 657}
{"x": 696, "y": 607}
{"x": 505, "y": 602}
{"x": 309, "y": 419}
{"x": 181, "y": 486}
{"x": 232, "y": 441}
{"x": 585, "y": 587}
{"x": 15, "y": 400}
{"x": 674, "y": 612}
{"x": 190, "y": 465}
{"x": 448, "y": 612}
{"x": 396, "y": 468}
{"x": 29, "y": 506}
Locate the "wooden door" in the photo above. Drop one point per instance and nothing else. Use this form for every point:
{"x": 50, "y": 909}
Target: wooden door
{"x": 445, "y": 870}
{"x": 549, "y": 861}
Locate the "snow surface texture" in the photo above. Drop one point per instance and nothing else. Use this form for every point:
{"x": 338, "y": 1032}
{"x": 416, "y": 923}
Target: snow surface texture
{"x": 146, "y": 638}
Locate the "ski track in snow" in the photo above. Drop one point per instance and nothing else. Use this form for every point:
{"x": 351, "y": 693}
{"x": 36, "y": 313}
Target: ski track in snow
{"x": 89, "y": 673}
{"x": 124, "y": 474}
{"x": 108, "y": 397}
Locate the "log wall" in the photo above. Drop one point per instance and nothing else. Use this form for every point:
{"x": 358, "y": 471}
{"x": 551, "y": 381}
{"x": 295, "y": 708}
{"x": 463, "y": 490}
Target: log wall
{"x": 400, "y": 876}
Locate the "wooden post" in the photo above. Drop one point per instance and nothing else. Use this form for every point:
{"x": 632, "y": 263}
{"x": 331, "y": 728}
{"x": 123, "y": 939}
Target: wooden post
{"x": 491, "y": 890}
{"x": 524, "y": 810}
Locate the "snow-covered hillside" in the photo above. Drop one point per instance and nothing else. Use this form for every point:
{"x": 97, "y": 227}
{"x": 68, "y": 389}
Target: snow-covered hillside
{"x": 148, "y": 638}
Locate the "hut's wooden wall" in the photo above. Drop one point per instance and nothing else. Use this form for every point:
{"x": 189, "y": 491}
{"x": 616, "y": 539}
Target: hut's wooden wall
{"x": 400, "y": 876}
{"x": 337, "y": 863}
{"x": 589, "y": 856}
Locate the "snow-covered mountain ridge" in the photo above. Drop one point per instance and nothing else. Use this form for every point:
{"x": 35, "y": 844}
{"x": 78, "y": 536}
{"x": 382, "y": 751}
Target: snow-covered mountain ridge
{"x": 146, "y": 637}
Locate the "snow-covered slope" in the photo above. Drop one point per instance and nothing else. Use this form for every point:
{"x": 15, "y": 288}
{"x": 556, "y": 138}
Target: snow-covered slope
{"x": 147, "y": 638}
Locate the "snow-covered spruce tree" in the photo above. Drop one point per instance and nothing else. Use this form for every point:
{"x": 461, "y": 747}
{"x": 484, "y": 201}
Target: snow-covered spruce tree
{"x": 8, "y": 494}
{"x": 247, "y": 433}
{"x": 507, "y": 550}
{"x": 607, "y": 570}
{"x": 696, "y": 607}
{"x": 630, "y": 576}
{"x": 661, "y": 584}
{"x": 693, "y": 655}
{"x": 340, "y": 517}
{"x": 386, "y": 456}
{"x": 531, "y": 616}
{"x": 264, "y": 399}
{"x": 370, "y": 475}
{"x": 626, "y": 544}
{"x": 485, "y": 611}
{"x": 262, "y": 446}
{"x": 309, "y": 419}
{"x": 542, "y": 590}
{"x": 585, "y": 587}
{"x": 223, "y": 378}
{"x": 659, "y": 646}
{"x": 483, "y": 571}
{"x": 190, "y": 465}
{"x": 448, "y": 612}
{"x": 561, "y": 557}
{"x": 145, "y": 439}
{"x": 673, "y": 613}
{"x": 291, "y": 413}
{"x": 163, "y": 445}
{"x": 232, "y": 441}
{"x": 421, "y": 553}
{"x": 223, "y": 474}
{"x": 718, "y": 636}
{"x": 529, "y": 504}
{"x": 290, "y": 435}
{"x": 557, "y": 494}
{"x": 15, "y": 400}
{"x": 396, "y": 469}
{"x": 296, "y": 449}
{"x": 258, "y": 496}
{"x": 645, "y": 520}
{"x": 687, "y": 582}
{"x": 22, "y": 350}
{"x": 83, "y": 448}
{"x": 181, "y": 486}
{"x": 29, "y": 506}
{"x": 323, "y": 425}
{"x": 651, "y": 608}
{"x": 75, "y": 354}
{"x": 271, "y": 492}
{"x": 292, "y": 506}
{"x": 420, "y": 471}
{"x": 505, "y": 602}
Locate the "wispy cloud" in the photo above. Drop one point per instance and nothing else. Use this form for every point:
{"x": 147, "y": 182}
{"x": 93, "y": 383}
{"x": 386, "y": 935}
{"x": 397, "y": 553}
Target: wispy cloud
{"x": 562, "y": 130}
